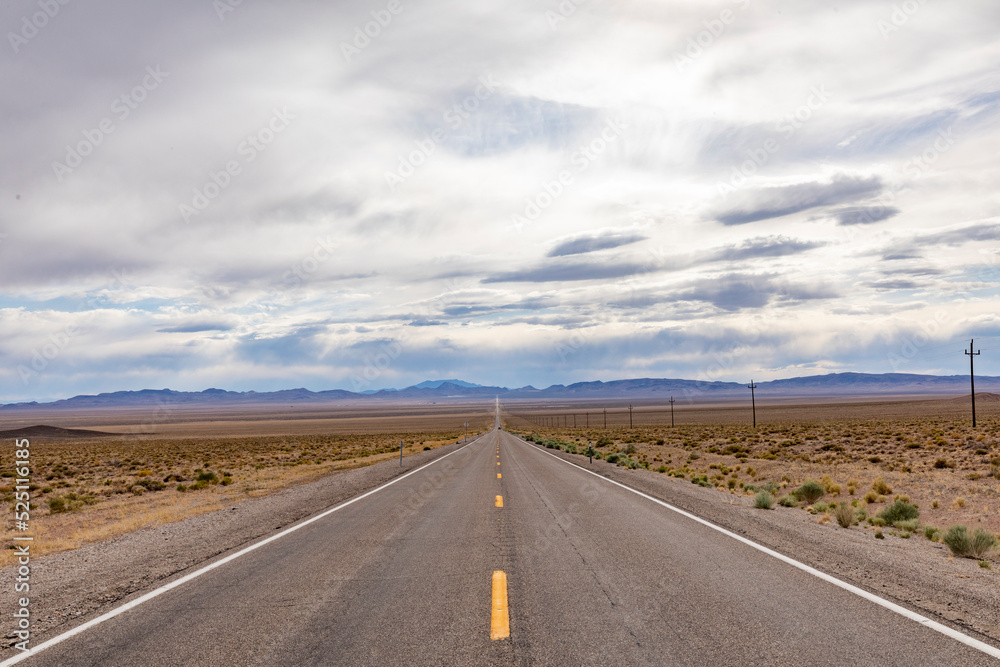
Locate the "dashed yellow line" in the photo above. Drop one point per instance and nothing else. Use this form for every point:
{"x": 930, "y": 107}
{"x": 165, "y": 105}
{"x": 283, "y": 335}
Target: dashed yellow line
{"x": 498, "y": 475}
{"x": 499, "y": 501}
{"x": 500, "y": 618}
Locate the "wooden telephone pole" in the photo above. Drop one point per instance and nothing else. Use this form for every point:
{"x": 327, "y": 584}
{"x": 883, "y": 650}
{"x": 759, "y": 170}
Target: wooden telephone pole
{"x": 753, "y": 403}
{"x": 972, "y": 379}
{"x": 671, "y": 411}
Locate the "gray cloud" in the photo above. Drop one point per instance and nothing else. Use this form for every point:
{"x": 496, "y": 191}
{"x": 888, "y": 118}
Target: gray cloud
{"x": 196, "y": 328}
{"x": 776, "y": 202}
{"x": 764, "y": 246}
{"x": 593, "y": 242}
{"x": 895, "y": 285}
{"x": 914, "y": 271}
{"x": 955, "y": 237}
{"x": 732, "y": 292}
{"x": 571, "y": 271}
{"x": 864, "y": 215}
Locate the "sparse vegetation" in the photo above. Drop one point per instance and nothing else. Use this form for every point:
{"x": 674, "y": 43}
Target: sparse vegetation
{"x": 844, "y": 515}
{"x": 884, "y": 465}
{"x": 811, "y": 491}
{"x": 900, "y": 510}
{"x": 763, "y": 500}
{"x": 788, "y": 500}
{"x": 962, "y": 544}
{"x": 100, "y": 488}
{"x": 880, "y": 487}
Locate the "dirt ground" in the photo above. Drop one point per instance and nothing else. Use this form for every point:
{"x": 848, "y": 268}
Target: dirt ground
{"x": 189, "y": 462}
{"x": 924, "y": 451}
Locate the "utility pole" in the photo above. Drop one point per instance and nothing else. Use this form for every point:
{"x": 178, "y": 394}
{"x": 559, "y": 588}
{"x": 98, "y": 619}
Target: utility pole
{"x": 574, "y": 420}
{"x": 605, "y": 418}
{"x": 588, "y": 419}
{"x": 671, "y": 412}
{"x": 630, "y": 415}
{"x": 753, "y": 403}
{"x": 972, "y": 379}
{"x": 400, "y": 453}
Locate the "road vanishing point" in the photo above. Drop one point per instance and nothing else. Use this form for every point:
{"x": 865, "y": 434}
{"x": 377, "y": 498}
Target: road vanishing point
{"x": 500, "y": 553}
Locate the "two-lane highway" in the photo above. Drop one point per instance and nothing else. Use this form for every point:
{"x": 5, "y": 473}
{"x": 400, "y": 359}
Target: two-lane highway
{"x": 593, "y": 575}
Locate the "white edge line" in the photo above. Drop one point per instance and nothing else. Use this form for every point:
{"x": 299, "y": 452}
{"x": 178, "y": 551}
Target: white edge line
{"x": 208, "y": 568}
{"x": 871, "y": 597}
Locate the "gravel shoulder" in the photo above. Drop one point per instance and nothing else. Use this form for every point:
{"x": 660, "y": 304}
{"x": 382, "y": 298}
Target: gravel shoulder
{"x": 72, "y": 587}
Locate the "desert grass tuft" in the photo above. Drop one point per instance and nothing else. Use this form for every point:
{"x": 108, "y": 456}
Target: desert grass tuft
{"x": 811, "y": 491}
{"x": 844, "y": 515}
{"x": 788, "y": 500}
{"x": 900, "y": 510}
{"x": 763, "y": 500}
{"x": 976, "y": 545}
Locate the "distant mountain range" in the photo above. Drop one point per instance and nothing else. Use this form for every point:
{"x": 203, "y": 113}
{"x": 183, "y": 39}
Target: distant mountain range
{"x": 832, "y": 385}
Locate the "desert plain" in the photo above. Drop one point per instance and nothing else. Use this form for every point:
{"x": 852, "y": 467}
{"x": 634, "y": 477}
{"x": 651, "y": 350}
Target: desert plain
{"x": 113, "y": 471}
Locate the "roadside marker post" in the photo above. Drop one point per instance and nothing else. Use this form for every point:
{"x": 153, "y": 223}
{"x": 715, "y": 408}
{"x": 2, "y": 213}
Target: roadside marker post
{"x": 400, "y": 453}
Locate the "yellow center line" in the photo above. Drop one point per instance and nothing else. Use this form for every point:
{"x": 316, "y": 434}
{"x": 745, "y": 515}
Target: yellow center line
{"x": 498, "y": 475}
{"x": 499, "y": 619}
{"x": 499, "y": 501}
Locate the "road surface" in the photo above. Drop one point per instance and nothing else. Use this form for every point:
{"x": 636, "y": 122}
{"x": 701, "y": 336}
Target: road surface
{"x": 595, "y": 575}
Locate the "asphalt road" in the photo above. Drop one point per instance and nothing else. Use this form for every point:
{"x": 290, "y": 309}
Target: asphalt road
{"x": 596, "y": 575}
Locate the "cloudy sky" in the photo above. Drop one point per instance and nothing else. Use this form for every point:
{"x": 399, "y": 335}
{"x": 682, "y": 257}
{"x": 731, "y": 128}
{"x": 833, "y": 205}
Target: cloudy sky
{"x": 263, "y": 195}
